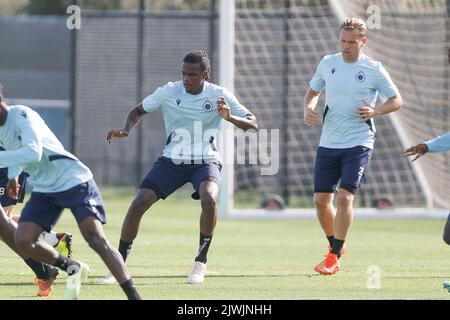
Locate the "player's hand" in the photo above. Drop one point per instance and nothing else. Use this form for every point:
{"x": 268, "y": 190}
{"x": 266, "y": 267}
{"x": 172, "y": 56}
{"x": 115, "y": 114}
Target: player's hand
{"x": 365, "y": 112}
{"x": 418, "y": 150}
{"x": 223, "y": 108}
{"x": 13, "y": 188}
{"x": 311, "y": 118}
{"x": 117, "y": 134}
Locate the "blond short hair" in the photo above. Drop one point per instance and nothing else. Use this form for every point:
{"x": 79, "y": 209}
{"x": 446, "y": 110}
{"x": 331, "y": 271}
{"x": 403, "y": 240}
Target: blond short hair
{"x": 351, "y": 24}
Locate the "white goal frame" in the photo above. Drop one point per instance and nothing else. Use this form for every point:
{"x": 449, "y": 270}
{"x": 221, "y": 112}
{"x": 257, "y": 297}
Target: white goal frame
{"x": 226, "y": 198}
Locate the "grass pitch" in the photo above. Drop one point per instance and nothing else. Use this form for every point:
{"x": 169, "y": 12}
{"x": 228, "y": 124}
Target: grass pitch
{"x": 251, "y": 259}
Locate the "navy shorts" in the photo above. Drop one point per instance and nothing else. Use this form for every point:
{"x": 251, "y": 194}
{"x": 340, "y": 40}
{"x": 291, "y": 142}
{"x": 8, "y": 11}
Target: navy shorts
{"x": 5, "y": 200}
{"x": 166, "y": 177}
{"x": 345, "y": 165}
{"x": 84, "y": 200}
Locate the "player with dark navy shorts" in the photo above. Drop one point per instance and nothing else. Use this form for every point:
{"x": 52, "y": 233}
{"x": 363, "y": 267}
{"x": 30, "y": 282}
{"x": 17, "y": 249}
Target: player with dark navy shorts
{"x": 187, "y": 106}
{"x": 165, "y": 177}
{"x": 340, "y": 168}
{"x": 59, "y": 181}
{"x": 352, "y": 82}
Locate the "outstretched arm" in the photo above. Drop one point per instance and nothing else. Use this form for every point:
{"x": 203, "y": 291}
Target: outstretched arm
{"x": 31, "y": 149}
{"x": 133, "y": 118}
{"x": 438, "y": 144}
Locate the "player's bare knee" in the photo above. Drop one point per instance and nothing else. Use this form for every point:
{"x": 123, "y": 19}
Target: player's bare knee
{"x": 97, "y": 242}
{"x": 24, "y": 244}
{"x": 142, "y": 202}
{"x": 3, "y": 221}
{"x": 344, "y": 199}
{"x": 208, "y": 203}
{"x": 322, "y": 200}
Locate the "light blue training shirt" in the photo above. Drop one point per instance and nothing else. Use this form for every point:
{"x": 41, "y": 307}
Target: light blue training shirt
{"x": 439, "y": 144}
{"x": 192, "y": 121}
{"x": 32, "y": 147}
{"x": 346, "y": 85}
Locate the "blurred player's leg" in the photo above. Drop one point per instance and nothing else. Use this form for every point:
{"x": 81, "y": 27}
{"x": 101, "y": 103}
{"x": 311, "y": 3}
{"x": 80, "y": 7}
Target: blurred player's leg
{"x": 27, "y": 241}
{"x": 40, "y": 213}
{"x": 208, "y": 192}
{"x": 45, "y": 274}
{"x": 62, "y": 242}
{"x": 93, "y": 233}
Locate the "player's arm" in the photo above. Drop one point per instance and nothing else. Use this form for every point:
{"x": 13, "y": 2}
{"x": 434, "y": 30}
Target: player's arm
{"x": 133, "y": 118}
{"x": 31, "y": 150}
{"x": 366, "y": 111}
{"x": 244, "y": 123}
{"x": 438, "y": 144}
{"x": 310, "y": 116}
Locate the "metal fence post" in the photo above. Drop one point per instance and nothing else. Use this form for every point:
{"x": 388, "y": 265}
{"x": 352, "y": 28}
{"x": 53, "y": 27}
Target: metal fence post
{"x": 139, "y": 87}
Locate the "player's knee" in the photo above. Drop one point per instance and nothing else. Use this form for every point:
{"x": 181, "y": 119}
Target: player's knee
{"x": 344, "y": 199}
{"x": 3, "y": 220}
{"x": 322, "y": 200}
{"x": 24, "y": 244}
{"x": 208, "y": 202}
{"x": 97, "y": 243}
{"x": 142, "y": 202}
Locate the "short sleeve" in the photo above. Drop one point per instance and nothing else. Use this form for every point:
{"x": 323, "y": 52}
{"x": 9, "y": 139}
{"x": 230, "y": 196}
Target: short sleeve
{"x": 153, "y": 101}
{"x": 236, "y": 108}
{"x": 385, "y": 86}
{"x": 439, "y": 144}
{"x": 317, "y": 82}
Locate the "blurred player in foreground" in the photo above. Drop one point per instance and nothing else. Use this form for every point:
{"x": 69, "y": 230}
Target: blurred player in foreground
{"x": 59, "y": 181}
{"x": 62, "y": 242}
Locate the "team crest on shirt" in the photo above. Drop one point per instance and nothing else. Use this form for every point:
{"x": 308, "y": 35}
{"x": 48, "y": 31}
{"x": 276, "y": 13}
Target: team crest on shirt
{"x": 178, "y": 102}
{"x": 23, "y": 114}
{"x": 207, "y": 106}
{"x": 360, "y": 76}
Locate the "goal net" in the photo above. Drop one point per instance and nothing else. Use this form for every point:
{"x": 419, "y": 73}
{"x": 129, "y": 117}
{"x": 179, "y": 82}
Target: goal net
{"x": 277, "y": 47}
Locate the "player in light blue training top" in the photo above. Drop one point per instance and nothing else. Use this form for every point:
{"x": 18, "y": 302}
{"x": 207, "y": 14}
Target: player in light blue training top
{"x": 438, "y": 144}
{"x": 352, "y": 82}
{"x": 193, "y": 110}
{"x": 60, "y": 181}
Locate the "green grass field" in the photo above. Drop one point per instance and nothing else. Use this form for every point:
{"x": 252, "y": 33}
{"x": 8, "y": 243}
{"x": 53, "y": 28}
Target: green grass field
{"x": 251, "y": 259}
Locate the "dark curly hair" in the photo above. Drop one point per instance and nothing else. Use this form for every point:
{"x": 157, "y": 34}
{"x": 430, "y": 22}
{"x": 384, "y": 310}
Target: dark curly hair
{"x": 201, "y": 57}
